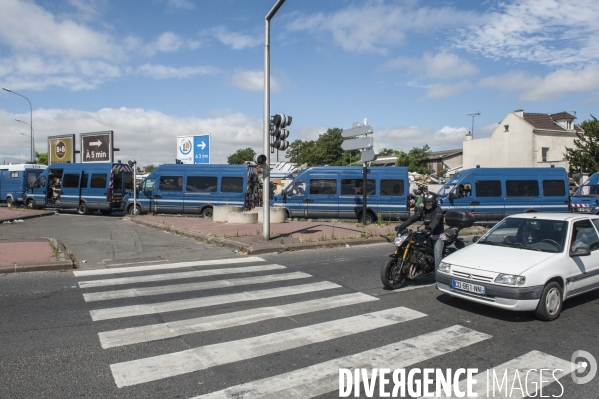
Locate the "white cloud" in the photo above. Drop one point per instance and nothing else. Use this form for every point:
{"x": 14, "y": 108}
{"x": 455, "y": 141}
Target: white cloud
{"x": 375, "y": 26}
{"x": 447, "y": 90}
{"x": 148, "y": 136}
{"x": 551, "y": 32}
{"x": 553, "y": 85}
{"x": 253, "y": 80}
{"x": 168, "y": 72}
{"x": 443, "y": 65}
{"x": 169, "y": 42}
{"x": 405, "y": 138}
{"x": 234, "y": 40}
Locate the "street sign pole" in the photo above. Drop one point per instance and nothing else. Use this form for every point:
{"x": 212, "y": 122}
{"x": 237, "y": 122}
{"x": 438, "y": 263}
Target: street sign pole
{"x": 364, "y": 180}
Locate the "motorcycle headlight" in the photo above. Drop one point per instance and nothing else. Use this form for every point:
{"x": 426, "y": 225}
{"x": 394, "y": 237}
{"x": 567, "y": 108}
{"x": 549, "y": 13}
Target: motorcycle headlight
{"x": 399, "y": 239}
{"x": 510, "y": 279}
{"x": 444, "y": 267}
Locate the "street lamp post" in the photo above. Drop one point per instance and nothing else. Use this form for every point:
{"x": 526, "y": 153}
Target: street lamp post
{"x": 32, "y": 144}
{"x": 473, "y": 115}
{"x": 30, "y": 117}
{"x": 266, "y": 127}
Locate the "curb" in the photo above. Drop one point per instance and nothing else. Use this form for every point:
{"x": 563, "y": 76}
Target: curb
{"x": 37, "y": 215}
{"x": 264, "y": 248}
{"x": 62, "y": 264}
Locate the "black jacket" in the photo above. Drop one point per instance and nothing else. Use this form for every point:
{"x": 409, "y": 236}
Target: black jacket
{"x": 433, "y": 219}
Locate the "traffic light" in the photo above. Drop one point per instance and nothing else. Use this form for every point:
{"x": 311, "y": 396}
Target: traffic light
{"x": 279, "y": 134}
{"x": 260, "y": 159}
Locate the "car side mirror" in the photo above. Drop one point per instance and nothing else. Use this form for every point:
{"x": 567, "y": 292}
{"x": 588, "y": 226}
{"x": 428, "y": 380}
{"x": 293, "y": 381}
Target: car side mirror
{"x": 581, "y": 251}
{"x": 475, "y": 238}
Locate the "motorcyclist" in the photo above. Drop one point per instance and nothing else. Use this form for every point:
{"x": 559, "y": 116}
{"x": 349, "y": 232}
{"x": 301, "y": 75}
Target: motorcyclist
{"x": 432, "y": 216}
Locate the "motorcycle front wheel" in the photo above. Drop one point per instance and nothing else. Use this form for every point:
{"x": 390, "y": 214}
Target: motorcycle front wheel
{"x": 391, "y": 274}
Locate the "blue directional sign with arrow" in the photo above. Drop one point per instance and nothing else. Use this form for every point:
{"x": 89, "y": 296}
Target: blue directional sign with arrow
{"x": 201, "y": 149}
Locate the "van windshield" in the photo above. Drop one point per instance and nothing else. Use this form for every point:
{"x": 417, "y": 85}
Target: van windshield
{"x": 587, "y": 190}
{"x": 446, "y": 189}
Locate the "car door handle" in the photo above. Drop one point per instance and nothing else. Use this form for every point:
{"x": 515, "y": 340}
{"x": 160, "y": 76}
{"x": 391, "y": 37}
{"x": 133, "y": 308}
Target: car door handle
{"x": 158, "y": 196}
{"x": 474, "y": 202}
{"x": 308, "y": 200}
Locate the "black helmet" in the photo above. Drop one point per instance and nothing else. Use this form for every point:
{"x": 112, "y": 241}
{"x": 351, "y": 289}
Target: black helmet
{"x": 430, "y": 198}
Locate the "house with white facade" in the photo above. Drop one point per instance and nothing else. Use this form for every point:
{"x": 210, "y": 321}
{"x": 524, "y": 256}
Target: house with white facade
{"x": 524, "y": 139}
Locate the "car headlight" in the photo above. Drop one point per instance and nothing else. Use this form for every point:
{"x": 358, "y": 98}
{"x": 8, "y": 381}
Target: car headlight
{"x": 444, "y": 267}
{"x": 510, "y": 279}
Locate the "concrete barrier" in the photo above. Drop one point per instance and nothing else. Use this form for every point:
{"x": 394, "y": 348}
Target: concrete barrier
{"x": 242, "y": 217}
{"x": 277, "y": 215}
{"x": 221, "y": 213}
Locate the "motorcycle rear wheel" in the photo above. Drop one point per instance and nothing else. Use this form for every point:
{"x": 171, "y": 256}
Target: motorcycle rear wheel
{"x": 391, "y": 276}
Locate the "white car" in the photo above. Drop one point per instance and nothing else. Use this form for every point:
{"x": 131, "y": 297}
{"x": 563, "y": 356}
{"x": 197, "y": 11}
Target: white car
{"x": 527, "y": 262}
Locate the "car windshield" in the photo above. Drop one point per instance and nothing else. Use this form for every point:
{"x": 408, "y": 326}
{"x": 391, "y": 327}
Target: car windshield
{"x": 529, "y": 234}
{"x": 446, "y": 189}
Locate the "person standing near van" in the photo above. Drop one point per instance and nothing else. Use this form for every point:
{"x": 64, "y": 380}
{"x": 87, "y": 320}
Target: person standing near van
{"x": 432, "y": 216}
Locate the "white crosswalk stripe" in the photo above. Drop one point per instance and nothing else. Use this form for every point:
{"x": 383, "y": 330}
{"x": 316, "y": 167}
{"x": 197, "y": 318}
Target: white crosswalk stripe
{"x": 324, "y": 377}
{"x": 159, "y": 367}
{"x": 172, "y": 306}
{"x": 176, "y": 276}
{"x": 307, "y": 382}
{"x": 208, "y": 285}
{"x": 152, "y": 332}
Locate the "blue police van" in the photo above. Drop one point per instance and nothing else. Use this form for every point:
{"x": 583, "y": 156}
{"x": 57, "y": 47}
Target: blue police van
{"x": 337, "y": 192}
{"x": 586, "y": 198}
{"x": 15, "y": 179}
{"x": 195, "y": 189}
{"x": 494, "y": 193}
{"x": 86, "y": 187}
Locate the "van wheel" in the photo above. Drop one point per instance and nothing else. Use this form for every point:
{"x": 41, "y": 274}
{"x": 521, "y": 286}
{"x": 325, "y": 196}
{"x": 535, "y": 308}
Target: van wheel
{"x": 9, "y": 201}
{"x": 369, "y": 218}
{"x": 551, "y": 302}
{"x": 132, "y": 210}
{"x": 31, "y": 204}
{"x": 207, "y": 213}
{"x": 82, "y": 209}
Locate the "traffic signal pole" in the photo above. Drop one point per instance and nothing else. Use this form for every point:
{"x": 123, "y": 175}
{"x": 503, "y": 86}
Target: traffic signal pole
{"x": 266, "y": 127}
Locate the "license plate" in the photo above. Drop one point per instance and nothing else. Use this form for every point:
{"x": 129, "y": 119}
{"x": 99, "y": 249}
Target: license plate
{"x": 477, "y": 289}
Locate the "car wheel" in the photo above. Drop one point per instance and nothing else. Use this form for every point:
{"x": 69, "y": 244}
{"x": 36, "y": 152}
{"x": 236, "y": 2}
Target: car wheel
{"x": 132, "y": 210}
{"x": 551, "y": 302}
{"x": 82, "y": 209}
{"x": 31, "y": 204}
{"x": 207, "y": 213}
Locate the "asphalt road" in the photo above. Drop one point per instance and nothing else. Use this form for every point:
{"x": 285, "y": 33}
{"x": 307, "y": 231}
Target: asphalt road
{"x": 273, "y": 324}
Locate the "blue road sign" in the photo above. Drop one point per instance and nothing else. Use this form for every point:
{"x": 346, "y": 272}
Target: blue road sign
{"x": 201, "y": 149}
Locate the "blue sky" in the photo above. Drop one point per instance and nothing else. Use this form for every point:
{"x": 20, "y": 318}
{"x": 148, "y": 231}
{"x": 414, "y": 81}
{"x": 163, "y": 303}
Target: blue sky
{"x": 155, "y": 69}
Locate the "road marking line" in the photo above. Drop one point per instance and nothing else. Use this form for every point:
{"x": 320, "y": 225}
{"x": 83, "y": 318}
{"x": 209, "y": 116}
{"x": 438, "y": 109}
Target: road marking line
{"x": 529, "y": 378}
{"x": 153, "y": 332}
{"x": 194, "y": 303}
{"x": 158, "y": 367}
{"x": 205, "y": 285}
{"x": 177, "y": 276}
{"x": 165, "y": 266}
{"x": 324, "y": 377}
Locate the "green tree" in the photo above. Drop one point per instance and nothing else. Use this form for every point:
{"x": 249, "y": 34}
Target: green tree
{"x": 325, "y": 150}
{"x": 584, "y": 157}
{"x": 241, "y": 156}
{"x": 387, "y": 152}
{"x": 300, "y": 152}
{"x": 414, "y": 159}
{"x": 41, "y": 158}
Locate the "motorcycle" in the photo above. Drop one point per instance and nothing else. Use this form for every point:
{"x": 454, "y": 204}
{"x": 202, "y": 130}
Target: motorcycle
{"x": 414, "y": 257}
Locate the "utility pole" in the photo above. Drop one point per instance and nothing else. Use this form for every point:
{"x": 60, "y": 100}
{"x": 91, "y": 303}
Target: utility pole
{"x": 473, "y": 115}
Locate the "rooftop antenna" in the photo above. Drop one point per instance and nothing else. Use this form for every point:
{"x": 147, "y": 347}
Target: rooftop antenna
{"x": 473, "y": 115}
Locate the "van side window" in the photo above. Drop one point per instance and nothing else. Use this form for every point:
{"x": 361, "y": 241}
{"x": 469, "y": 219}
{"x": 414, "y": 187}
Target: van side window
{"x": 201, "y": 184}
{"x": 70, "y": 181}
{"x": 41, "y": 182}
{"x": 354, "y": 186}
{"x": 171, "y": 183}
{"x": 554, "y": 188}
{"x": 98, "y": 180}
{"x": 14, "y": 174}
{"x": 232, "y": 185}
{"x": 323, "y": 186}
{"x": 487, "y": 188}
{"x": 584, "y": 235}
{"x": 84, "y": 180}
{"x": 392, "y": 187}
{"x": 31, "y": 177}
{"x": 522, "y": 188}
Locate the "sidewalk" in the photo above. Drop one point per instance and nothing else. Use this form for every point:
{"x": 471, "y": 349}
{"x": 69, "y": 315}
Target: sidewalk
{"x": 288, "y": 236}
{"x": 30, "y": 254}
